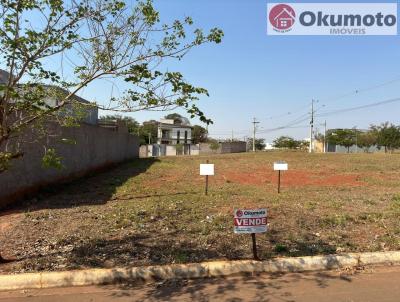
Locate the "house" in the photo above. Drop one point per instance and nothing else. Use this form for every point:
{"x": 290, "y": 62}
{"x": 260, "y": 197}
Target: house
{"x": 284, "y": 19}
{"x": 174, "y": 131}
{"x": 86, "y": 111}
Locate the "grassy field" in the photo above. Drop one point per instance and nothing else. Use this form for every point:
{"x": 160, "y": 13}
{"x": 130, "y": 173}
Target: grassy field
{"x": 154, "y": 211}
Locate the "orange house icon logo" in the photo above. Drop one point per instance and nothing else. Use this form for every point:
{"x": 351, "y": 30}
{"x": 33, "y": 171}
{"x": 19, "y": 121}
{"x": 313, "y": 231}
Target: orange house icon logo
{"x": 282, "y": 17}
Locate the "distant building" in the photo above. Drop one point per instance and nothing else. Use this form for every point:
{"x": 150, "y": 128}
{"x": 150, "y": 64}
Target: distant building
{"x": 174, "y": 131}
{"x": 269, "y": 146}
{"x": 90, "y": 112}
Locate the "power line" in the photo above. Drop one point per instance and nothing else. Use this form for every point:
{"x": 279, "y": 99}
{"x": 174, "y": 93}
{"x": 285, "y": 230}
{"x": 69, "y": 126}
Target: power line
{"x": 358, "y": 91}
{"x": 342, "y": 96}
{"x": 328, "y": 113}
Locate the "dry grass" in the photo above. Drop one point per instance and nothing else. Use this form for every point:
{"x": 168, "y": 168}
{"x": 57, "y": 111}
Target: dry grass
{"x": 154, "y": 211}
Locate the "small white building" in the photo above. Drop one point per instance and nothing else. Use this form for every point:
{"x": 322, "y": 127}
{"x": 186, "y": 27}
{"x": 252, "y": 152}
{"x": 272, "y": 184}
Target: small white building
{"x": 174, "y": 131}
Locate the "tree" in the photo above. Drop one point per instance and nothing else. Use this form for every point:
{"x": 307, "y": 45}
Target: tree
{"x": 286, "y": 142}
{"x": 214, "y": 145}
{"x": 259, "y": 144}
{"x": 319, "y": 137}
{"x": 342, "y": 137}
{"x": 130, "y": 122}
{"x": 387, "y": 136}
{"x": 199, "y": 134}
{"x": 366, "y": 140}
{"x": 173, "y": 116}
{"x": 100, "y": 39}
{"x": 148, "y": 132}
{"x": 104, "y": 39}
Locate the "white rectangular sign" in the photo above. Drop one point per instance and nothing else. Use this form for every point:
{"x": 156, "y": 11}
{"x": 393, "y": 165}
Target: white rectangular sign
{"x": 206, "y": 169}
{"x": 250, "y": 221}
{"x": 338, "y": 19}
{"x": 280, "y": 165}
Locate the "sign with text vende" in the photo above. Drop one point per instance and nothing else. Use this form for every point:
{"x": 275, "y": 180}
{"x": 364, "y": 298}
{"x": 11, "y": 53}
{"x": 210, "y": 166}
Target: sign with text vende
{"x": 206, "y": 169}
{"x": 332, "y": 18}
{"x": 250, "y": 221}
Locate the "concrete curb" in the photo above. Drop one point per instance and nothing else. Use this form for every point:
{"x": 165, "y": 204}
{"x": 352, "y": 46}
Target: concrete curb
{"x": 193, "y": 270}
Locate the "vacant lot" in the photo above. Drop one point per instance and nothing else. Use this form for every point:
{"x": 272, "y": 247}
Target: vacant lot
{"x": 154, "y": 211}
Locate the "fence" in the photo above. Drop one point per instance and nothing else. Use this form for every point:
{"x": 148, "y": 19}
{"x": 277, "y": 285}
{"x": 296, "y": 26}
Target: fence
{"x": 83, "y": 149}
{"x": 156, "y": 150}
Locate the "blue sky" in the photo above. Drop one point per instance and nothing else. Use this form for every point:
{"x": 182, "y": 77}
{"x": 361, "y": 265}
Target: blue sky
{"x": 251, "y": 74}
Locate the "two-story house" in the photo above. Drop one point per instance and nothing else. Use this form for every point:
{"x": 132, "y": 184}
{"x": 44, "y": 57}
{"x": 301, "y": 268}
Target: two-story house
{"x": 174, "y": 131}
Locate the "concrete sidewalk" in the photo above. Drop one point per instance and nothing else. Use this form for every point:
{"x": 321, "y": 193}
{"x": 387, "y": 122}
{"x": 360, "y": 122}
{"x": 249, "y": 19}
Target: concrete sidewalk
{"x": 372, "y": 284}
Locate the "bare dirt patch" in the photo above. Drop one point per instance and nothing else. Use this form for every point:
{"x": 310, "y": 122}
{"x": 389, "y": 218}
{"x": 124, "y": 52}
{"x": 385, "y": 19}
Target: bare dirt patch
{"x": 155, "y": 212}
{"x": 294, "y": 178}
{"x": 9, "y": 220}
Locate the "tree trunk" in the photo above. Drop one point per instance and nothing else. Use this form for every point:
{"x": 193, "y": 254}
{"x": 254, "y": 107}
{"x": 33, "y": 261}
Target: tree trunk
{"x": 348, "y": 149}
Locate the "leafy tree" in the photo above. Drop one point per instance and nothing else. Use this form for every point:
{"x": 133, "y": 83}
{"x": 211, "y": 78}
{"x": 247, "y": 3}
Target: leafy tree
{"x": 342, "y": 137}
{"x": 387, "y": 136}
{"x": 101, "y": 39}
{"x": 366, "y": 140}
{"x": 130, "y": 122}
{"x": 173, "y": 116}
{"x": 304, "y": 145}
{"x": 149, "y": 129}
{"x": 214, "y": 145}
{"x": 259, "y": 144}
{"x": 199, "y": 134}
{"x": 178, "y": 119}
{"x": 286, "y": 142}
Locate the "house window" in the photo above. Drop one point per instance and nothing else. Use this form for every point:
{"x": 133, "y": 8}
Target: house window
{"x": 186, "y": 137}
{"x": 178, "y": 136}
{"x": 283, "y": 23}
{"x": 165, "y": 134}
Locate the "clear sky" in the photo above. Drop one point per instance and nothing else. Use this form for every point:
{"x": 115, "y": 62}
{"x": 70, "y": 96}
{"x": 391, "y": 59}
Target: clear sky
{"x": 251, "y": 74}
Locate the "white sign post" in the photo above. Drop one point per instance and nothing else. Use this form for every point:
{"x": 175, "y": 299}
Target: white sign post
{"x": 206, "y": 170}
{"x": 250, "y": 222}
{"x": 280, "y": 166}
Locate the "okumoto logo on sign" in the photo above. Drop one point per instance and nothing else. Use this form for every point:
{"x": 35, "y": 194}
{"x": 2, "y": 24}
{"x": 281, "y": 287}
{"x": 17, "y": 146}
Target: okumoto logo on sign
{"x": 332, "y": 19}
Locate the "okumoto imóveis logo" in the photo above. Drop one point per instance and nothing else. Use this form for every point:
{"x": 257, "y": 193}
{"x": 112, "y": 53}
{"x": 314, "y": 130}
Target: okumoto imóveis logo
{"x": 332, "y": 18}
{"x": 282, "y": 17}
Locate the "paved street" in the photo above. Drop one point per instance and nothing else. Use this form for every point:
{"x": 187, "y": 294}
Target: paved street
{"x": 372, "y": 284}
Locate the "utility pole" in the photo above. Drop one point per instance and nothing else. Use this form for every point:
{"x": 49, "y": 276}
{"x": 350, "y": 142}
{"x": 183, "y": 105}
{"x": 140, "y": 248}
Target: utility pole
{"x": 232, "y": 135}
{"x": 149, "y": 138}
{"x": 325, "y": 137}
{"x": 254, "y": 133}
{"x": 311, "y": 126}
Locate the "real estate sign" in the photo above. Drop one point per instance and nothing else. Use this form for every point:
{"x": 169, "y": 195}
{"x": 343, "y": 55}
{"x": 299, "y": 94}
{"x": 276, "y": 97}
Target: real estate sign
{"x": 280, "y": 166}
{"x": 206, "y": 169}
{"x": 249, "y": 221}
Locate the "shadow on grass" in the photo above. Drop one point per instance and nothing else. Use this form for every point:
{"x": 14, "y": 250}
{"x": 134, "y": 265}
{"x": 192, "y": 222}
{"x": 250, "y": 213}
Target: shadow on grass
{"x": 138, "y": 249}
{"x": 96, "y": 188}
